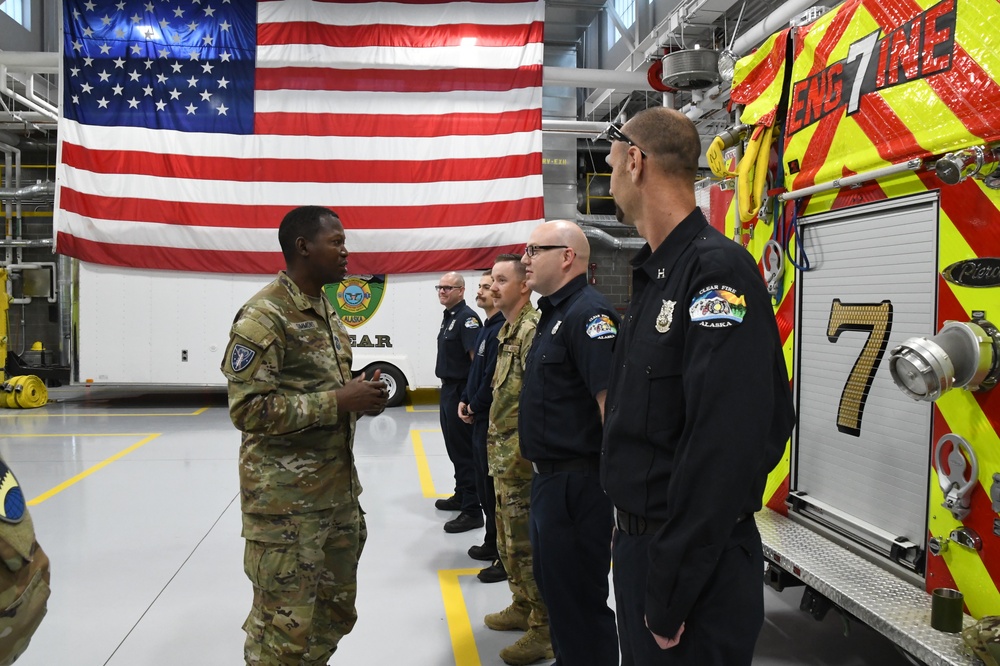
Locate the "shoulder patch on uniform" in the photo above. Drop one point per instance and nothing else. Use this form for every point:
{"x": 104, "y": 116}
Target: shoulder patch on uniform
{"x": 601, "y": 326}
{"x": 241, "y": 357}
{"x": 12, "y": 504}
{"x": 472, "y": 322}
{"x": 718, "y": 306}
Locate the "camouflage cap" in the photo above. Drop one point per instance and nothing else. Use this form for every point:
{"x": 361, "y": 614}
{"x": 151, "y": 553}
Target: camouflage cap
{"x": 982, "y": 639}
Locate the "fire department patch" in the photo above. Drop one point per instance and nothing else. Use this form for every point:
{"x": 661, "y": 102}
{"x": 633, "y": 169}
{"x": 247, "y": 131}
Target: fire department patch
{"x": 718, "y": 306}
{"x": 241, "y": 358}
{"x": 472, "y": 322}
{"x": 12, "y": 503}
{"x": 356, "y": 298}
{"x": 601, "y": 326}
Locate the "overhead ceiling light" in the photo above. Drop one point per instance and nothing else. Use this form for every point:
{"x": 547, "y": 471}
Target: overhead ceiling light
{"x": 692, "y": 69}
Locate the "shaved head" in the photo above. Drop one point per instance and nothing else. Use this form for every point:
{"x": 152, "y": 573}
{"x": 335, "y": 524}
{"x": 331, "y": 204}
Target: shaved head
{"x": 566, "y": 258}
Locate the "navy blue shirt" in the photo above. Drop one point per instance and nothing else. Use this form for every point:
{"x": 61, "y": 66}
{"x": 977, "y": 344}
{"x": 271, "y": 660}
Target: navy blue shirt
{"x": 457, "y": 337}
{"x": 568, "y": 365}
{"x": 478, "y": 394}
{"x": 698, "y": 410}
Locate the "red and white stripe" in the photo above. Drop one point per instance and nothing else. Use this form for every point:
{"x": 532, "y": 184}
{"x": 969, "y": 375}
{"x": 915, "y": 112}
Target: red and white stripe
{"x": 428, "y": 145}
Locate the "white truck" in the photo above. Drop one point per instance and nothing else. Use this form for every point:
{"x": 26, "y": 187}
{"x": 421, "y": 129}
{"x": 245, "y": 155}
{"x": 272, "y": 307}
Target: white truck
{"x": 173, "y": 326}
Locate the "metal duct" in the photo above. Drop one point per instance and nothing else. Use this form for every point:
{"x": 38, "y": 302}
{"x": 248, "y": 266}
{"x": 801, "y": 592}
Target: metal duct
{"x": 595, "y": 78}
{"x": 605, "y": 238}
{"x": 26, "y": 192}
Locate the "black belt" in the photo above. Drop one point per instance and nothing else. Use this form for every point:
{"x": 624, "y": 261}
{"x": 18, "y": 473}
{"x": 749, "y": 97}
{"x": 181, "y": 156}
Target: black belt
{"x": 634, "y": 525}
{"x": 585, "y": 465}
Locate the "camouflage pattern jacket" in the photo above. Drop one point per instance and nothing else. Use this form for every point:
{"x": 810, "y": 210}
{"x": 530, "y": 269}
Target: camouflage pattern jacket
{"x": 503, "y": 447}
{"x": 24, "y": 571}
{"x": 284, "y": 361}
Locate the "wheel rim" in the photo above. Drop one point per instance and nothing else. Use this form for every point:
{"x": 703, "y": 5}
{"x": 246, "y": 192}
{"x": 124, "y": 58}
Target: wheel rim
{"x": 390, "y": 384}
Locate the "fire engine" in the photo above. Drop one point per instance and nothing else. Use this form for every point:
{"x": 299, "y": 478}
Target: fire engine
{"x": 863, "y": 175}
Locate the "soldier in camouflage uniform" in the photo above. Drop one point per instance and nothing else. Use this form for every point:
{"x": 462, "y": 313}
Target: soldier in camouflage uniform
{"x": 512, "y": 473}
{"x": 288, "y": 363}
{"x": 24, "y": 572}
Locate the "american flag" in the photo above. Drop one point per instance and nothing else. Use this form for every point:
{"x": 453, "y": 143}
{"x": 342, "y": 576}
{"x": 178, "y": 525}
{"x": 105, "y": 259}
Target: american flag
{"x": 190, "y": 127}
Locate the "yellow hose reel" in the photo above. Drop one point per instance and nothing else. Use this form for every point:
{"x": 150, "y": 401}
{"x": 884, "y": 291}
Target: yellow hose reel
{"x": 23, "y": 392}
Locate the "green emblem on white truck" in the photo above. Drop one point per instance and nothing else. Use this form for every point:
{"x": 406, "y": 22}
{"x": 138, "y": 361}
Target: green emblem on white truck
{"x": 357, "y": 297}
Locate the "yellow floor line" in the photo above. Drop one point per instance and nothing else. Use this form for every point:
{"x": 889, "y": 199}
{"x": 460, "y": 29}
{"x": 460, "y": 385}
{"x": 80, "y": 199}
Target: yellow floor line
{"x": 44, "y": 415}
{"x": 410, "y": 409}
{"x": 90, "y": 470}
{"x": 424, "y": 469}
{"x": 463, "y": 642}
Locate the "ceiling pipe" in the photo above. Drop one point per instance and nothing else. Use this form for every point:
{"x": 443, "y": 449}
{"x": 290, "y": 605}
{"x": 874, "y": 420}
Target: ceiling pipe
{"x": 45, "y": 109}
{"x": 595, "y": 78}
{"x": 776, "y": 20}
{"x": 27, "y": 191}
{"x": 604, "y": 238}
{"x": 579, "y": 128}
{"x": 40, "y": 63}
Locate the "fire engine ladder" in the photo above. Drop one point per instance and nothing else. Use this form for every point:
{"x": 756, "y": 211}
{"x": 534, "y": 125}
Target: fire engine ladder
{"x": 889, "y": 604}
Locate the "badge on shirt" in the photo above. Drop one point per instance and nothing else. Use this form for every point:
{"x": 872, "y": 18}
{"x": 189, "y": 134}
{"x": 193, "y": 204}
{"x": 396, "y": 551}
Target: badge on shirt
{"x": 12, "y": 503}
{"x": 556, "y": 327}
{"x": 666, "y": 316}
{"x": 482, "y": 348}
{"x": 451, "y": 325}
{"x": 718, "y": 306}
{"x": 472, "y": 322}
{"x": 601, "y": 326}
{"x": 241, "y": 357}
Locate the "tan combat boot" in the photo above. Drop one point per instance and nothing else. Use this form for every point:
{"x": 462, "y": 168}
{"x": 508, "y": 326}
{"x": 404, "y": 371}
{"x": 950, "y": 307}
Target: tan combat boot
{"x": 509, "y": 619}
{"x": 533, "y": 646}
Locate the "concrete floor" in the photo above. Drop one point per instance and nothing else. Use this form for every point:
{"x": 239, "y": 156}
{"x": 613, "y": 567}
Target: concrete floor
{"x": 135, "y": 500}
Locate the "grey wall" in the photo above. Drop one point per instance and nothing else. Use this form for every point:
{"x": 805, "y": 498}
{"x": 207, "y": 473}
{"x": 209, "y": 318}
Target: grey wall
{"x": 613, "y": 273}
{"x": 44, "y": 33}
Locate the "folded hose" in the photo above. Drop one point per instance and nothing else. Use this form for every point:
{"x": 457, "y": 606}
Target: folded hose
{"x": 752, "y": 172}
{"x": 23, "y": 392}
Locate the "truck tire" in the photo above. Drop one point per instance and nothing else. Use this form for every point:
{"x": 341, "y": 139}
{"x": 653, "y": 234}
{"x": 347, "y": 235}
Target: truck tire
{"x": 394, "y": 380}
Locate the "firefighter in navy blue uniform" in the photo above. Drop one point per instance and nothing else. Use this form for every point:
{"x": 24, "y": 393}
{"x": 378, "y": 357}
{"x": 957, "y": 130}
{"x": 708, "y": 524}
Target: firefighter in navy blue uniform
{"x": 561, "y": 408}
{"x": 456, "y": 344}
{"x": 698, "y": 412}
{"x": 474, "y": 408}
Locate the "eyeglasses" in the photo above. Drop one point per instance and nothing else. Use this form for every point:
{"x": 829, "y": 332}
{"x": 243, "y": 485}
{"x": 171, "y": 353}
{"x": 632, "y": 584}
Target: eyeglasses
{"x": 532, "y": 250}
{"x": 612, "y": 133}
{"x": 445, "y": 288}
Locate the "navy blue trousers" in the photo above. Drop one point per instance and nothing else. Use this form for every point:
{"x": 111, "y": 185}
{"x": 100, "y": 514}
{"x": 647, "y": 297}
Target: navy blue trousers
{"x": 724, "y": 623}
{"x": 484, "y": 482}
{"x": 458, "y": 442}
{"x": 571, "y": 526}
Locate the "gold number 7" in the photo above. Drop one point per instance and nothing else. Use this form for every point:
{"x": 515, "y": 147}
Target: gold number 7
{"x": 876, "y": 320}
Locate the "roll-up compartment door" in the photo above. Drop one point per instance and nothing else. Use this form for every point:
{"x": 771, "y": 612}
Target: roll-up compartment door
{"x": 861, "y": 451}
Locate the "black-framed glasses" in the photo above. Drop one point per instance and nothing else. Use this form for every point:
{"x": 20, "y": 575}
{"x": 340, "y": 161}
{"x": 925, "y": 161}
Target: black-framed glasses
{"x": 612, "y": 133}
{"x": 532, "y": 250}
{"x": 445, "y": 288}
